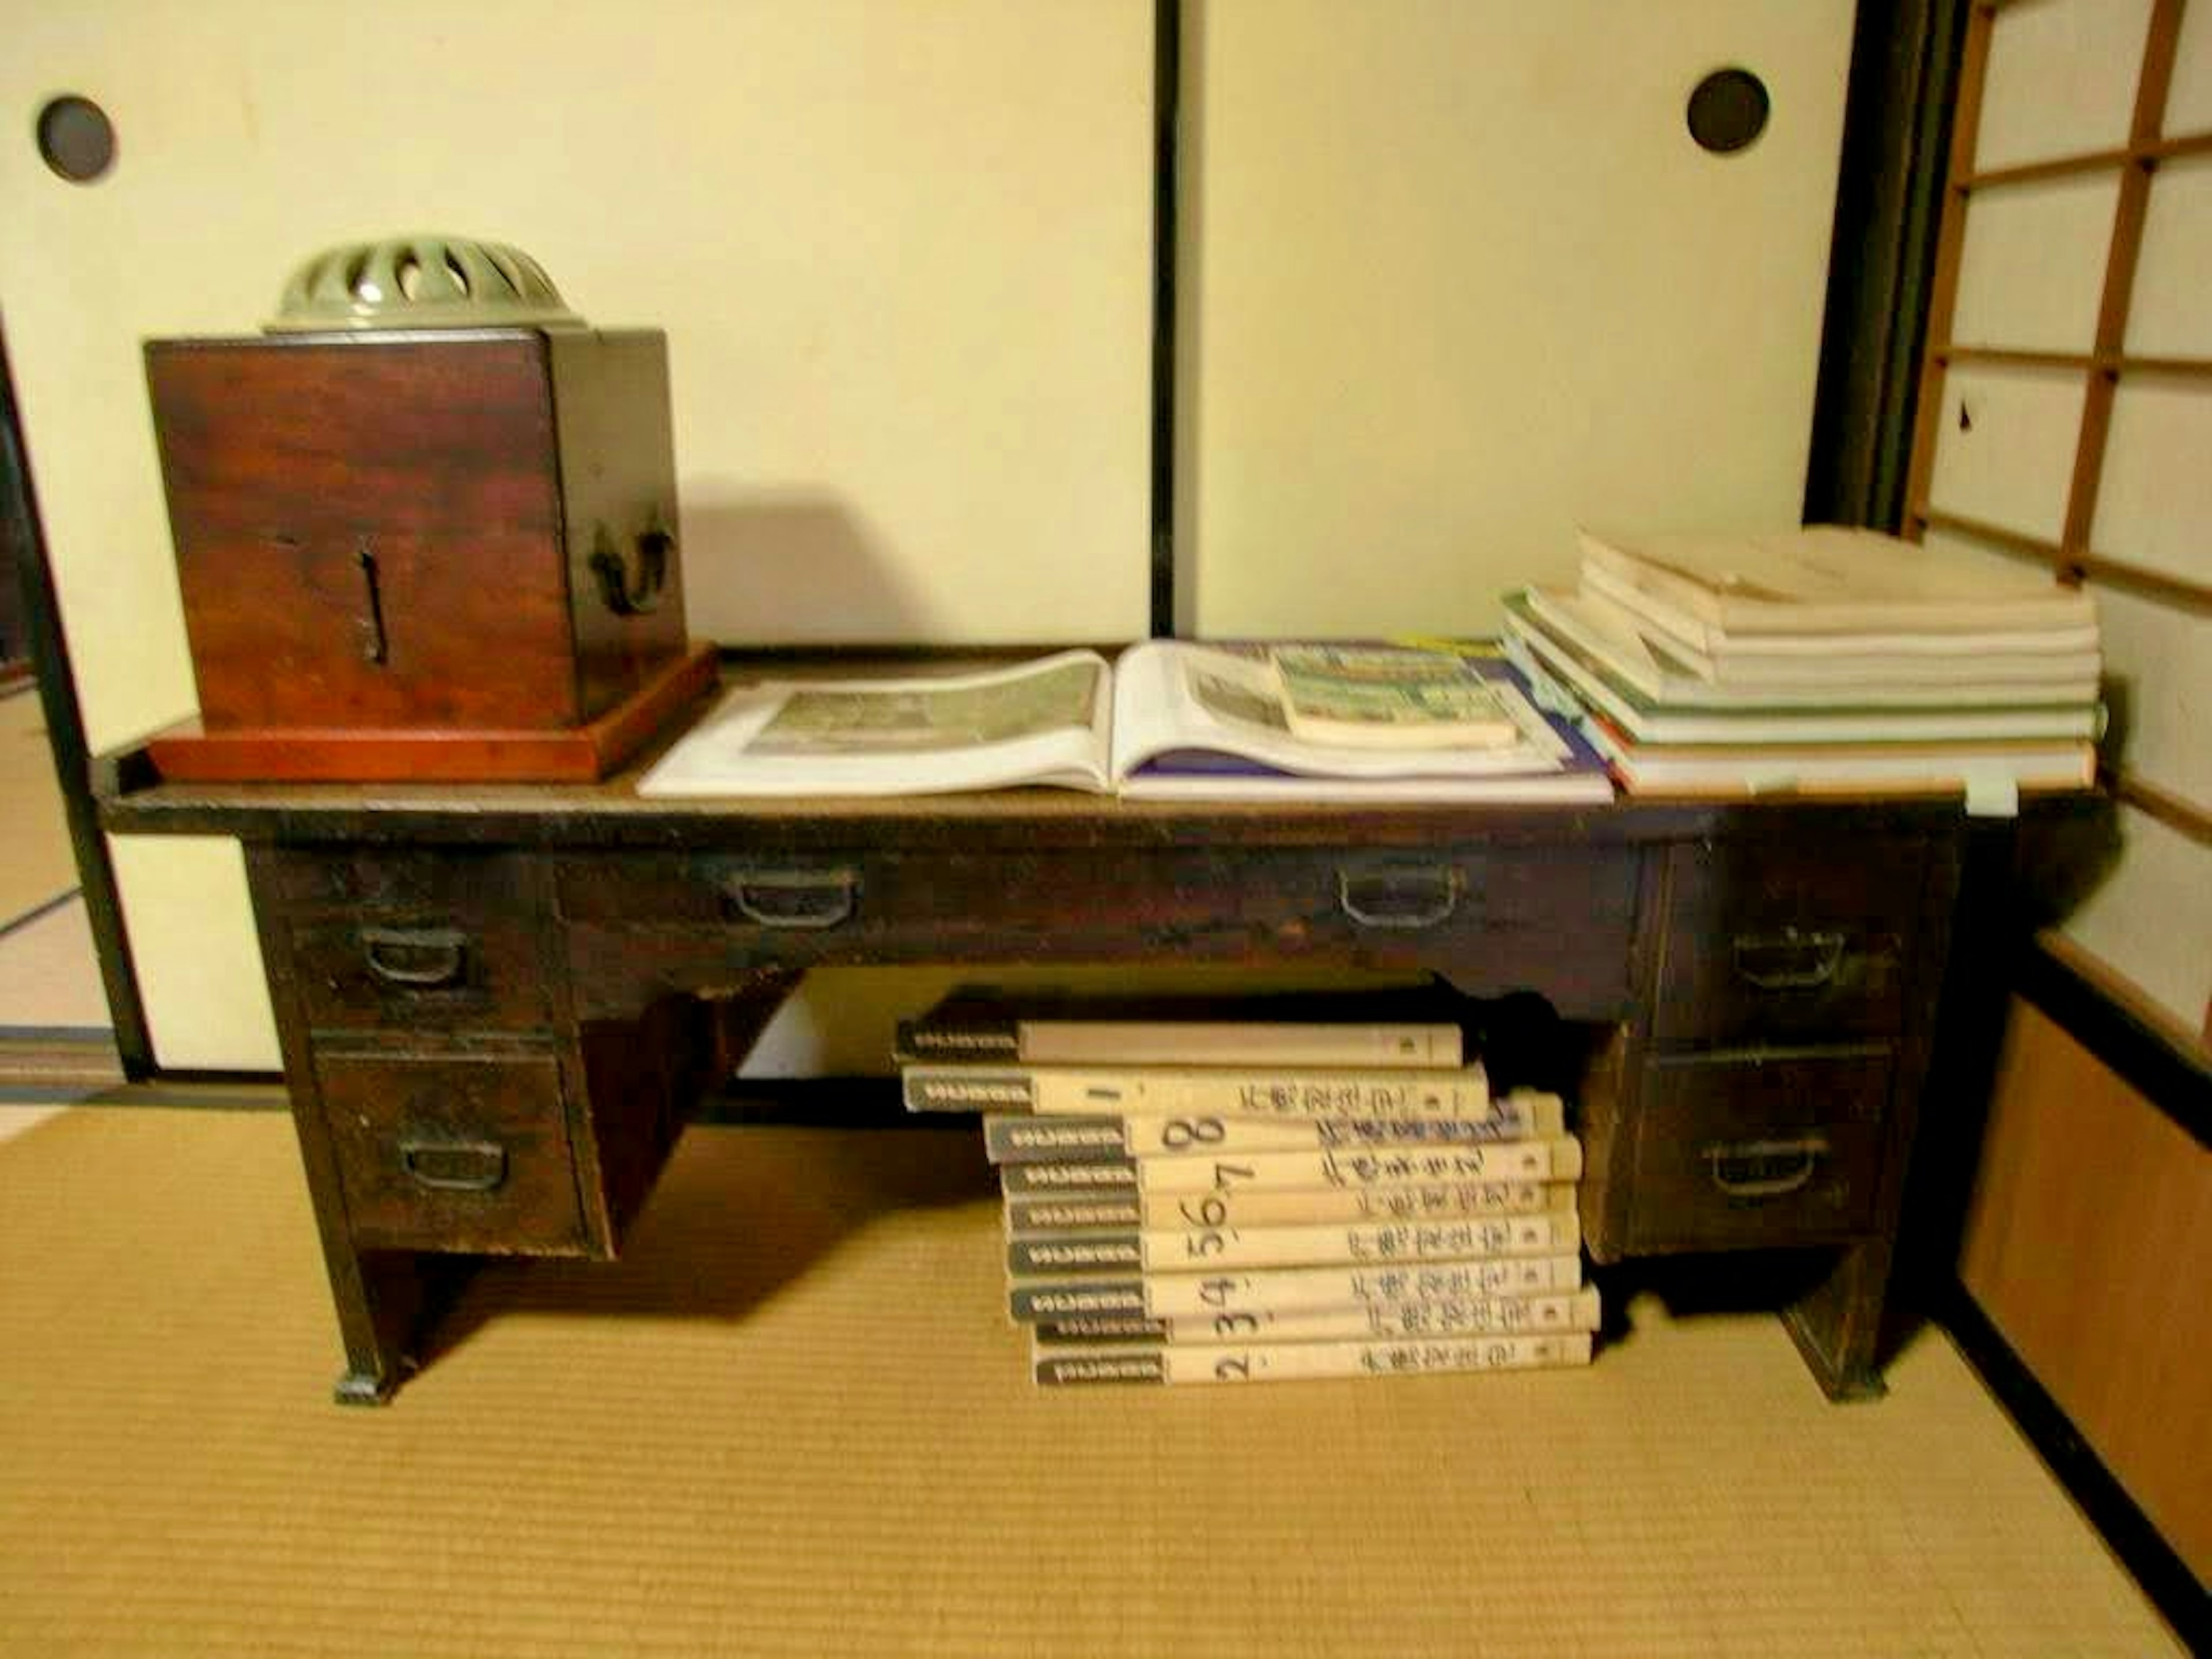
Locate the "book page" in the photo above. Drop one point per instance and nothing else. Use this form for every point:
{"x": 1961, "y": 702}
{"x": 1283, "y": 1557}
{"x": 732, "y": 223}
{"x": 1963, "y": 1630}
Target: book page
{"x": 1174, "y": 697}
{"x": 1041, "y": 722}
{"x": 1389, "y": 697}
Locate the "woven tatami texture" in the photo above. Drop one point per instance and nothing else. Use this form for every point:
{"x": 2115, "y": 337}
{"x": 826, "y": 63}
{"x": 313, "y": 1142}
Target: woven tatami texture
{"x": 793, "y": 1421}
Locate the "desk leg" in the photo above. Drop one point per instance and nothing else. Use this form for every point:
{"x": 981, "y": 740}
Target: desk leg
{"x": 1838, "y": 1325}
{"x": 386, "y": 1315}
{"x": 387, "y": 1301}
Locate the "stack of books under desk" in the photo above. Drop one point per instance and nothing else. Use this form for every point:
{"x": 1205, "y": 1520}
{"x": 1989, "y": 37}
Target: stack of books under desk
{"x": 1210, "y": 1200}
{"x": 1819, "y": 661}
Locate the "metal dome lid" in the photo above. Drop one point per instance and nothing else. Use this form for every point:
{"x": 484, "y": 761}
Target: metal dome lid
{"x": 419, "y": 282}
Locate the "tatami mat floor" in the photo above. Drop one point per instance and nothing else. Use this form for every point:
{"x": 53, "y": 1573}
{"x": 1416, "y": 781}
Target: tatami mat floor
{"x": 794, "y": 1420}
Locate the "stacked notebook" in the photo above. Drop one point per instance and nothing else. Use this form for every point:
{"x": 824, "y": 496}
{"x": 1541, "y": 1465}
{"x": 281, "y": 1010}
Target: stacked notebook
{"x": 1818, "y": 660}
{"x": 1210, "y": 1195}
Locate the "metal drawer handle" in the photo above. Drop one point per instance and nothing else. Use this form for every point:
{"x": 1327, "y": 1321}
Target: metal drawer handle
{"x": 454, "y": 1166}
{"x": 618, "y": 591}
{"x": 794, "y": 898}
{"x": 1765, "y": 1169}
{"x": 417, "y": 959}
{"x": 1414, "y": 897}
{"x": 1788, "y": 960}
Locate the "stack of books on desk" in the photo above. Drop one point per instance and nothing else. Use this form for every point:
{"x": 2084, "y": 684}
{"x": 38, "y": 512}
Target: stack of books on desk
{"x": 1194, "y": 1199}
{"x": 1818, "y": 660}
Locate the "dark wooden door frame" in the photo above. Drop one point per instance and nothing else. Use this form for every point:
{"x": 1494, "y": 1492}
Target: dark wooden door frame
{"x": 20, "y": 525}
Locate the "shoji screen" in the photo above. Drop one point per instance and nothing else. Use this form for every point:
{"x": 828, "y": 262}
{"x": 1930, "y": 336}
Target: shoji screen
{"x": 2067, "y": 411}
{"x": 903, "y": 250}
{"x": 1456, "y": 276}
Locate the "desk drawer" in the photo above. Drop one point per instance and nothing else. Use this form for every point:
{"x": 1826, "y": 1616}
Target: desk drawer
{"x": 1560, "y": 922}
{"x": 1754, "y": 1150}
{"x": 1767, "y": 943}
{"x": 442, "y": 943}
{"x": 453, "y": 1153}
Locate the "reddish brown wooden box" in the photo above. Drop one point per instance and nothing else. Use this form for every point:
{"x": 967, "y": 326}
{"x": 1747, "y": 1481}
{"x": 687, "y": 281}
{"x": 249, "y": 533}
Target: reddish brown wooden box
{"x": 426, "y": 554}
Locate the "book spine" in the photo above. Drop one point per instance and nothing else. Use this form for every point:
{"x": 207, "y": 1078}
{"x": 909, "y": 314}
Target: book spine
{"x": 1258, "y": 1290}
{"x": 1250, "y": 1207}
{"x": 1553, "y": 1159}
{"x": 1208, "y": 1248}
{"x": 1508, "y": 1315}
{"x": 1278, "y": 1362}
{"x": 1227, "y": 1091}
{"x": 1519, "y": 1116}
{"x": 1180, "y": 1042}
{"x": 1229, "y": 1043}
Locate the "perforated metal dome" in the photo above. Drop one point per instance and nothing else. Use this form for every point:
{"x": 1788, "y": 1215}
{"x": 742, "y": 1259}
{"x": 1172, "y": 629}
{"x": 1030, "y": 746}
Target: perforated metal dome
{"x": 421, "y": 282}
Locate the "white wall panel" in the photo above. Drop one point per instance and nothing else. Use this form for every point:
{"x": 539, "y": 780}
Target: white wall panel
{"x": 2032, "y": 264}
{"x": 2154, "y": 506}
{"x": 2152, "y": 919}
{"x": 1457, "y": 278}
{"x": 2170, "y": 312}
{"x": 195, "y": 953}
{"x": 901, "y": 249}
{"x": 2061, "y": 79}
{"x": 2158, "y": 669}
{"x": 2004, "y": 447}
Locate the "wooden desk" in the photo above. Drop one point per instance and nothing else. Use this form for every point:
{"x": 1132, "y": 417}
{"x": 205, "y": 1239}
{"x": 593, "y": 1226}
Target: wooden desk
{"x": 499, "y": 1004}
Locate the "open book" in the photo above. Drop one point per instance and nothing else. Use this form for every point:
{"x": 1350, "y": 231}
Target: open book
{"x": 1165, "y": 718}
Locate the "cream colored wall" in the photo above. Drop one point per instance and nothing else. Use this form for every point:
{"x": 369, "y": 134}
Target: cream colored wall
{"x": 1456, "y": 278}
{"x": 900, "y": 247}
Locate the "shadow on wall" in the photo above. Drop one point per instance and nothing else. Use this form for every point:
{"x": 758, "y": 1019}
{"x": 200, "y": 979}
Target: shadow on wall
{"x": 798, "y": 566}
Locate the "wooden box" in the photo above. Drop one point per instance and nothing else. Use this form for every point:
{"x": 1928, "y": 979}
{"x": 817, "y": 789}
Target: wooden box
{"x": 442, "y": 554}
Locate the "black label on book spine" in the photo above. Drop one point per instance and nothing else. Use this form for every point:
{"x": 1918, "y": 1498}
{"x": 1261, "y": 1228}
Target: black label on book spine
{"x": 1101, "y": 1368}
{"x": 1071, "y": 1331}
{"x": 927, "y": 1090}
{"x": 1077, "y": 1298}
{"x": 1074, "y": 1253}
{"x": 1018, "y": 1139}
{"x": 973, "y": 1039}
{"x": 1121, "y": 1176}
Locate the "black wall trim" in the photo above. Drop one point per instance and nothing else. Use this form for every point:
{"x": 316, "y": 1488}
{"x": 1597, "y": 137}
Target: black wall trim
{"x": 2165, "y": 1577}
{"x": 1167, "y": 111}
{"x": 1906, "y": 57}
{"x": 2176, "y": 1082}
{"x": 48, "y": 653}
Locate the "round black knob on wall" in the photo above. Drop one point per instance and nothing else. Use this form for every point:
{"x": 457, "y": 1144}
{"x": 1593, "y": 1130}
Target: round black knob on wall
{"x": 76, "y": 138}
{"x": 1728, "y": 111}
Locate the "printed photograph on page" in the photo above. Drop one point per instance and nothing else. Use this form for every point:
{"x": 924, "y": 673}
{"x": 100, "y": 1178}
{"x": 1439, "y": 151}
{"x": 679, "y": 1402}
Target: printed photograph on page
{"x": 920, "y": 719}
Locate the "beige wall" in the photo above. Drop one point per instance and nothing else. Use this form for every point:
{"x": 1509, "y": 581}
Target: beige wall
{"x": 902, "y": 249}
{"x": 1457, "y": 278}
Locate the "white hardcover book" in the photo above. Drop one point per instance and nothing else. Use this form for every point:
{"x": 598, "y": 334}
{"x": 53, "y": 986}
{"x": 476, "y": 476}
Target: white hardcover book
{"x": 1566, "y": 1310}
{"x": 1523, "y": 1115}
{"x": 1263, "y": 1362}
{"x": 1033, "y": 1299}
{"x": 1204, "y": 1295}
{"x": 1553, "y": 1158}
{"x": 1905, "y": 671}
{"x": 1833, "y": 578}
{"x": 1249, "y": 1206}
{"x": 1263, "y": 1091}
{"x": 1311, "y": 1244}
